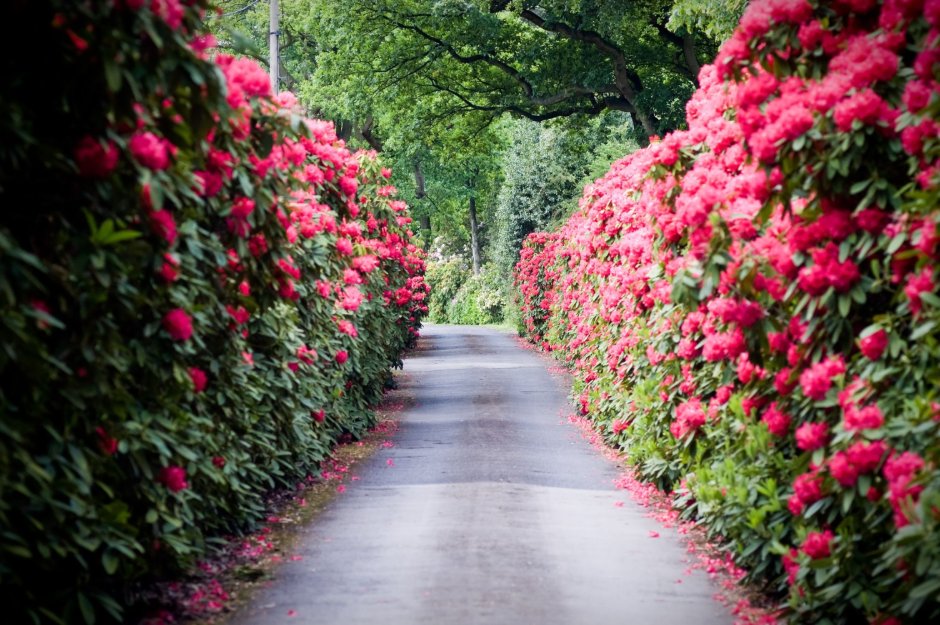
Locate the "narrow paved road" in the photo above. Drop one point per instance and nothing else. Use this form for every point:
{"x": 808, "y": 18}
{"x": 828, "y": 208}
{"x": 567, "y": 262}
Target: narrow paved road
{"x": 494, "y": 512}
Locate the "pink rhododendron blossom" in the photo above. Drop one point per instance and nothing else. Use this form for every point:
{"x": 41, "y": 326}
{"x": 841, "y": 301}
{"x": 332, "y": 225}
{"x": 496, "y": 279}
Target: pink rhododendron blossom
{"x": 807, "y": 490}
{"x": 348, "y": 185}
{"x": 917, "y": 95}
{"x": 106, "y": 443}
{"x": 199, "y": 379}
{"x": 812, "y": 436}
{"x": 351, "y": 276}
{"x": 239, "y": 315}
{"x": 859, "y": 458}
{"x": 94, "y": 159}
{"x": 867, "y": 456}
{"x": 900, "y": 470}
{"x": 818, "y": 545}
{"x": 242, "y": 207}
{"x": 827, "y": 271}
{"x": 365, "y": 264}
{"x": 777, "y": 421}
{"x": 817, "y": 379}
{"x": 174, "y": 478}
{"x": 307, "y": 355}
{"x": 258, "y": 245}
{"x": 922, "y": 282}
{"x": 690, "y": 416}
{"x": 723, "y": 345}
{"x": 163, "y": 225}
{"x": 747, "y": 370}
{"x": 169, "y": 270}
{"x": 352, "y": 298}
{"x": 347, "y": 327}
{"x": 178, "y": 324}
{"x": 842, "y": 469}
{"x": 873, "y": 345}
{"x": 170, "y": 11}
{"x": 342, "y": 356}
{"x": 778, "y": 341}
{"x": 783, "y": 383}
{"x": 867, "y": 418}
{"x": 864, "y": 106}
{"x": 619, "y": 425}
{"x": 344, "y": 246}
{"x": 151, "y": 151}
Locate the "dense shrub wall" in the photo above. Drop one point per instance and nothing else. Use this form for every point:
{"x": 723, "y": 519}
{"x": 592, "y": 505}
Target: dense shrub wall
{"x": 458, "y": 296}
{"x": 750, "y": 305}
{"x": 200, "y": 290}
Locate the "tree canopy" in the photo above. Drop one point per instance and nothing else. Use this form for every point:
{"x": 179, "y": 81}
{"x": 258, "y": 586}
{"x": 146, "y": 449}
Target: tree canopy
{"x": 539, "y": 60}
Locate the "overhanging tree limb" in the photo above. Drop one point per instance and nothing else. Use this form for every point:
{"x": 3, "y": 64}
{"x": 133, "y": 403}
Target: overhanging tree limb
{"x": 504, "y": 67}
{"x": 594, "y": 107}
{"x": 605, "y": 97}
{"x": 627, "y": 80}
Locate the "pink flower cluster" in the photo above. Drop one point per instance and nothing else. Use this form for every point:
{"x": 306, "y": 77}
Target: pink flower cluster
{"x": 174, "y": 478}
{"x": 690, "y": 416}
{"x": 817, "y": 379}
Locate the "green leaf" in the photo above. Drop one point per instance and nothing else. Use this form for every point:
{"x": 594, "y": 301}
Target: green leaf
{"x": 17, "y": 550}
{"x": 922, "y": 330}
{"x": 112, "y": 75}
{"x": 88, "y": 610}
{"x": 845, "y": 305}
{"x": 930, "y": 298}
{"x": 925, "y": 589}
{"x": 896, "y": 242}
{"x": 121, "y": 236}
{"x": 110, "y": 561}
{"x": 859, "y": 186}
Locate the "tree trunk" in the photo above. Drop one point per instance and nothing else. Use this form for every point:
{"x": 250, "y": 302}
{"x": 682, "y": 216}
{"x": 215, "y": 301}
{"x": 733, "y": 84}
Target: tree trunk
{"x": 688, "y": 49}
{"x": 474, "y": 236}
{"x": 366, "y": 133}
{"x": 424, "y": 221}
{"x": 419, "y": 181}
{"x": 344, "y": 129}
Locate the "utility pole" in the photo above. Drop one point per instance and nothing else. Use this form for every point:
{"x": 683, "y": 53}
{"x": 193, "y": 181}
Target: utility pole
{"x": 274, "y": 60}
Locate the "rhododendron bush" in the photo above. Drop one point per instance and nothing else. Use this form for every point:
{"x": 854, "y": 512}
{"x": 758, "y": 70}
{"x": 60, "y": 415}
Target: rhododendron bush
{"x": 751, "y": 311}
{"x": 201, "y": 291}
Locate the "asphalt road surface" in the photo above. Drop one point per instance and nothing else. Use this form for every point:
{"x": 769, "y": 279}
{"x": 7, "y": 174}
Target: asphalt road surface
{"x": 494, "y": 511}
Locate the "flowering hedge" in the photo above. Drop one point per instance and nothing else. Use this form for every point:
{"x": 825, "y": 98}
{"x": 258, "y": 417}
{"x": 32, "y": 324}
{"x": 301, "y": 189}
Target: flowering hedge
{"x": 200, "y": 291}
{"x": 751, "y": 312}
